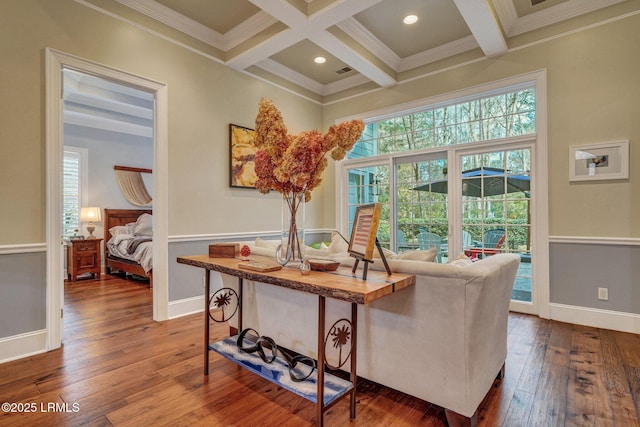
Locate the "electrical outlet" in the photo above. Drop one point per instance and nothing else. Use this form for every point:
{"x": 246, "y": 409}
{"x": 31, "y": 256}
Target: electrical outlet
{"x": 603, "y": 294}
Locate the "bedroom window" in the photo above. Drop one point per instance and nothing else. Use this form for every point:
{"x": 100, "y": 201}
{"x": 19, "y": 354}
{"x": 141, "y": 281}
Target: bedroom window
{"x": 74, "y": 183}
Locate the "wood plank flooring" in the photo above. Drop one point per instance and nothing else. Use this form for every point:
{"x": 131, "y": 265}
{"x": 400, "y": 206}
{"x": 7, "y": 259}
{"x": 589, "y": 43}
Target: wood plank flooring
{"x": 118, "y": 367}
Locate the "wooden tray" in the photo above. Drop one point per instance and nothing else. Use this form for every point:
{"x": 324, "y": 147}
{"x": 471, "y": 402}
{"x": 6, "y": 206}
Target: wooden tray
{"x": 259, "y": 266}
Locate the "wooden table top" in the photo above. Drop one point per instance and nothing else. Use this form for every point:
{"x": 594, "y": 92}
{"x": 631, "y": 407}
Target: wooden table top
{"x": 341, "y": 284}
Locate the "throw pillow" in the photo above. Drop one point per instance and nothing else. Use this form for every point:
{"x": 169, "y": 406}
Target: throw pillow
{"x": 388, "y": 254}
{"x": 271, "y": 244}
{"x": 338, "y": 245}
{"x": 144, "y": 225}
{"x": 461, "y": 260}
{"x": 428, "y": 255}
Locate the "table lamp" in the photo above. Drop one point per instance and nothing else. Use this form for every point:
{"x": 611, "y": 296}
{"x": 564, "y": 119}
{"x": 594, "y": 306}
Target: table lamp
{"x": 91, "y": 215}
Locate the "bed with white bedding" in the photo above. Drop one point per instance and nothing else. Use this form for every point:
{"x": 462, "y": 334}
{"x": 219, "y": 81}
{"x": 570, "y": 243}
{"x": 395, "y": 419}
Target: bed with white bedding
{"x": 128, "y": 242}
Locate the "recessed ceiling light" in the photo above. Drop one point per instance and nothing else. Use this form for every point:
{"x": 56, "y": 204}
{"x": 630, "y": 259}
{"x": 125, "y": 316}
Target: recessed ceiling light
{"x": 410, "y": 19}
{"x": 319, "y": 59}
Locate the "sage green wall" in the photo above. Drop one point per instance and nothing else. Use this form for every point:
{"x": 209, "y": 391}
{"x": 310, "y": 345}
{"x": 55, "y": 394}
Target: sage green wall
{"x": 593, "y": 87}
{"x": 204, "y": 97}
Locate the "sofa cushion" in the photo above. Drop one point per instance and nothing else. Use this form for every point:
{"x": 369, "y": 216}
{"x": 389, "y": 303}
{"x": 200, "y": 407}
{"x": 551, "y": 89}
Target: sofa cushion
{"x": 461, "y": 260}
{"x": 428, "y": 255}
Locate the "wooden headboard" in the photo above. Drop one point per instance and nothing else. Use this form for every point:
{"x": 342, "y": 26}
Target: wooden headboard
{"x": 113, "y": 217}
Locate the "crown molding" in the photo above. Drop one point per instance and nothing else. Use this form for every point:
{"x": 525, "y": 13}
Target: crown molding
{"x": 294, "y": 77}
{"x": 514, "y": 25}
{"x": 437, "y": 53}
{"x": 345, "y": 84}
{"x": 169, "y": 17}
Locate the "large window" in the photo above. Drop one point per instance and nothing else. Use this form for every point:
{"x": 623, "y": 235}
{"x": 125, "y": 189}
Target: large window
{"x": 424, "y": 164}
{"x": 491, "y": 117}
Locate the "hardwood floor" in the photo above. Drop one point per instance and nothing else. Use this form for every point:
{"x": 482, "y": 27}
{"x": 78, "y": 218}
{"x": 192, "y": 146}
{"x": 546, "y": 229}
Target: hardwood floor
{"x": 118, "y": 367}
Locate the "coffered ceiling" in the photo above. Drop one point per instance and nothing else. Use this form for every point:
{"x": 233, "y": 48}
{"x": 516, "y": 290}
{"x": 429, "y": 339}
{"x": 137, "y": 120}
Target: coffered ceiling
{"x": 365, "y": 42}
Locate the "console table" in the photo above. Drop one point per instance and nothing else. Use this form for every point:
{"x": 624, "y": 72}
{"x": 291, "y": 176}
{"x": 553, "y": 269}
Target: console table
{"x": 341, "y": 284}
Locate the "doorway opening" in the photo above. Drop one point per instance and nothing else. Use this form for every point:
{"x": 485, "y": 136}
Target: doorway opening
{"x": 59, "y": 64}
{"x": 111, "y": 125}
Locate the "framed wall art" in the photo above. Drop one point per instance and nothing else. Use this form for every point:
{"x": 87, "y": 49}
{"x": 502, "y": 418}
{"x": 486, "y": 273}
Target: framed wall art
{"x": 365, "y": 227}
{"x": 602, "y": 161}
{"x": 242, "y": 157}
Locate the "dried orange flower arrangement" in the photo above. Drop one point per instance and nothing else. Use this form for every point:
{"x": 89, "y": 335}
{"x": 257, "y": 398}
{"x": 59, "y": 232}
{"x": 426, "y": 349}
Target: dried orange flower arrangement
{"x": 293, "y": 164}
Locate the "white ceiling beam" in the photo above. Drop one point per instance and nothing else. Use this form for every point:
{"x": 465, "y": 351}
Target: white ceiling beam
{"x": 483, "y": 25}
{"x": 339, "y": 11}
{"x": 264, "y": 50}
{"x": 359, "y": 33}
{"x": 342, "y": 51}
{"x": 246, "y": 29}
{"x": 106, "y": 104}
{"x": 314, "y": 28}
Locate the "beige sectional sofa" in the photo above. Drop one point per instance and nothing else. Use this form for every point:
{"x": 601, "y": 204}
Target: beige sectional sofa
{"x": 443, "y": 340}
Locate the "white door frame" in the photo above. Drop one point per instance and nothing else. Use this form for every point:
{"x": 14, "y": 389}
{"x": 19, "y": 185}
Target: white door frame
{"x": 54, "y": 137}
{"x": 455, "y": 193}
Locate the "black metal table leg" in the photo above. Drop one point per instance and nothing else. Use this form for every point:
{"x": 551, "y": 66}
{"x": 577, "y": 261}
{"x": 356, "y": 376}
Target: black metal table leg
{"x": 207, "y": 287}
{"x": 320, "y": 402}
{"x": 240, "y": 288}
{"x": 354, "y": 346}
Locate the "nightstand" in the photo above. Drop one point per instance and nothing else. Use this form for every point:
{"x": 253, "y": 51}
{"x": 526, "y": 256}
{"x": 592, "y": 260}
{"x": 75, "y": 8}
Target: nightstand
{"x": 83, "y": 256}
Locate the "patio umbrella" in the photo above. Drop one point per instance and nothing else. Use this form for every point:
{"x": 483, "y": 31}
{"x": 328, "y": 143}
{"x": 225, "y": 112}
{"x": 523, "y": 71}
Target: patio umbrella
{"x": 483, "y": 181}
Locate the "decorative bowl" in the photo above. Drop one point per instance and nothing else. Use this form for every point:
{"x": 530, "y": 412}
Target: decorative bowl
{"x": 323, "y": 265}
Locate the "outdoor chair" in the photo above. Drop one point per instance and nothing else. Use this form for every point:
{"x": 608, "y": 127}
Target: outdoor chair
{"x": 401, "y": 241}
{"x": 491, "y": 244}
{"x": 428, "y": 240}
{"x": 467, "y": 241}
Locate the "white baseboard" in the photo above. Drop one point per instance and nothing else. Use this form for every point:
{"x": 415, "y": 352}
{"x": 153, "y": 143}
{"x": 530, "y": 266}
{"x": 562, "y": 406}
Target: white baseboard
{"x": 597, "y": 318}
{"x": 23, "y": 345}
{"x": 185, "y": 307}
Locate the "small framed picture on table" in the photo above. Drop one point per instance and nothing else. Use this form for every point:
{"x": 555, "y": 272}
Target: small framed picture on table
{"x": 363, "y": 234}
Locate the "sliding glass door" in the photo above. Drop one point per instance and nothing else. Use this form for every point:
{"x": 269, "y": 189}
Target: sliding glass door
{"x": 422, "y": 208}
{"x": 495, "y": 194}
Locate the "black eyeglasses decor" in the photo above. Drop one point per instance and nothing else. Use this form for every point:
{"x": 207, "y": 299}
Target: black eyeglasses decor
{"x": 300, "y": 367}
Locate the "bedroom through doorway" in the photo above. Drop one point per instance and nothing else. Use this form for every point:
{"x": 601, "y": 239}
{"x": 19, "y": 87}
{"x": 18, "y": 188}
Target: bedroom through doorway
{"x": 110, "y": 117}
{"x": 107, "y": 165}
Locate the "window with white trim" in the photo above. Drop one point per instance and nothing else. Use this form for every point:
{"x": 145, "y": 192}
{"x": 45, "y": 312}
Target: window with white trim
{"x": 483, "y": 118}
{"x": 404, "y": 161}
{"x": 74, "y": 175}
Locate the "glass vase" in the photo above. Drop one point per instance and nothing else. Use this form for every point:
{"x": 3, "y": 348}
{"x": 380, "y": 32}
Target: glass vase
{"x": 291, "y": 248}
